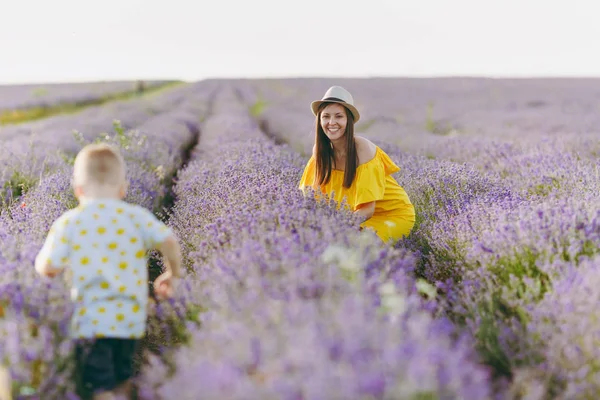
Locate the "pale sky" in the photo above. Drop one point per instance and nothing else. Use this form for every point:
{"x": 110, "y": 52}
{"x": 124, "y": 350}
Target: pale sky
{"x": 75, "y": 40}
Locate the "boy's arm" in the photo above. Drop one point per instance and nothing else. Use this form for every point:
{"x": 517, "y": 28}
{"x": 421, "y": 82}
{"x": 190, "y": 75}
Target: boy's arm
{"x": 159, "y": 236}
{"x": 54, "y": 254}
{"x": 171, "y": 250}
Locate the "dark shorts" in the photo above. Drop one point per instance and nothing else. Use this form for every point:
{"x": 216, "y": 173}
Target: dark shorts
{"x": 103, "y": 364}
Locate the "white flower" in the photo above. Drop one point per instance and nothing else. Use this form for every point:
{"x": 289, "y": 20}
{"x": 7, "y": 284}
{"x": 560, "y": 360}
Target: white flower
{"x": 426, "y": 288}
{"x": 345, "y": 258}
{"x": 391, "y": 300}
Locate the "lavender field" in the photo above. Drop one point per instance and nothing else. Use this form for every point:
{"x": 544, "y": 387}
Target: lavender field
{"x": 21, "y": 102}
{"x": 494, "y": 295}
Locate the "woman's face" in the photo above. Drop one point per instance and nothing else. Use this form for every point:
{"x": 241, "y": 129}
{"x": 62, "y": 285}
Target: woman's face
{"x": 333, "y": 121}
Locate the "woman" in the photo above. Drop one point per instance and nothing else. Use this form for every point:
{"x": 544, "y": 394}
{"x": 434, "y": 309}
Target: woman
{"x": 352, "y": 167}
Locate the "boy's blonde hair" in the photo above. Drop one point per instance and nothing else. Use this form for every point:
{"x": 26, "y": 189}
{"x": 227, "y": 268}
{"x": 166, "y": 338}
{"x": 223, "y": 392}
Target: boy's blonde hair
{"x": 99, "y": 165}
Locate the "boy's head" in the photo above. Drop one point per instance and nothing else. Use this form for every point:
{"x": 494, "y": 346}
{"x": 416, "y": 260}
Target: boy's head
{"x": 99, "y": 171}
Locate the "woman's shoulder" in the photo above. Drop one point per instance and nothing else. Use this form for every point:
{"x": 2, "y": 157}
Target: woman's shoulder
{"x": 365, "y": 149}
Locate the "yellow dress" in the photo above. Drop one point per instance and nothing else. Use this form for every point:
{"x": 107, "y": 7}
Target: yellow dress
{"x": 394, "y": 215}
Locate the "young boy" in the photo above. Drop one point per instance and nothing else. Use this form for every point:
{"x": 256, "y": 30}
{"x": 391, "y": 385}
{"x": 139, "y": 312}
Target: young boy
{"x": 103, "y": 242}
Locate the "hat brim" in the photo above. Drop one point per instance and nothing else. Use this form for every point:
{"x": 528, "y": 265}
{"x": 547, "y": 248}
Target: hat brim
{"x": 315, "y": 107}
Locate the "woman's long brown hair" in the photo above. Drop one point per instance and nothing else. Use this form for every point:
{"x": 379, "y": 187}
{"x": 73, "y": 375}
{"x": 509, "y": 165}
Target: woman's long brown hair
{"x": 324, "y": 156}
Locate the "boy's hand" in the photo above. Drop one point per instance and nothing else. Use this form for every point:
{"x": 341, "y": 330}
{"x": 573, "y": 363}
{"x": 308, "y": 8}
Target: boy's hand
{"x": 163, "y": 285}
{"x": 47, "y": 269}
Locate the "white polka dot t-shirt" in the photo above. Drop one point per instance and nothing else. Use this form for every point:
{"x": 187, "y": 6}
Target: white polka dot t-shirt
{"x": 104, "y": 244}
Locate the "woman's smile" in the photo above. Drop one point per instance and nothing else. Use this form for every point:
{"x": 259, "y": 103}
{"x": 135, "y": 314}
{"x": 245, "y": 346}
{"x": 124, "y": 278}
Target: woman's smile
{"x": 334, "y": 121}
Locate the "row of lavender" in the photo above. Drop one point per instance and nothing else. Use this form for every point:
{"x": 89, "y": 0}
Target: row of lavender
{"x": 29, "y": 150}
{"x": 26, "y": 96}
{"x": 296, "y": 301}
{"x": 511, "y": 236}
{"x": 34, "y": 312}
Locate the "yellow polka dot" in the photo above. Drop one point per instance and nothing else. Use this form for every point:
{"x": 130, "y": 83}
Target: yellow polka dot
{"x": 84, "y": 261}
{"x": 123, "y": 265}
{"x": 82, "y": 278}
{"x": 66, "y": 221}
{"x": 63, "y": 239}
{"x": 101, "y": 310}
{"x": 101, "y": 206}
{"x": 120, "y": 317}
{"x": 95, "y": 298}
{"x": 104, "y": 285}
{"x": 123, "y": 252}
{"x": 135, "y": 308}
{"x": 114, "y": 220}
{"x": 78, "y": 222}
{"x": 95, "y": 322}
{"x": 76, "y": 247}
{"x": 135, "y": 271}
{"x": 122, "y": 288}
{"x": 133, "y": 240}
{"x": 99, "y": 272}
{"x": 82, "y": 311}
{"x": 64, "y": 260}
{"x": 80, "y": 298}
{"x": 112, "y": 245}
{"x": 119, "y": 305}
{"x": 119, "y": 211}
{"x": 104, "y": 260}
{"x": 83, "y": 232}
{"x": 101, "y": 230}
{"x": 95, "y": 245}
{"x": 133, "y": 297}
{"x": 117, "y": 277}
{"x": 137, "y": 226}
{"x": 96, "y": 216}
{"x": 131, "y": 215}
{"x": 120, "y": 231}
{"x": 112, "y": 328}
{"x": 139, "y": 282}
{"x": 140, "y": 254}
{"x": 149, "y": 224}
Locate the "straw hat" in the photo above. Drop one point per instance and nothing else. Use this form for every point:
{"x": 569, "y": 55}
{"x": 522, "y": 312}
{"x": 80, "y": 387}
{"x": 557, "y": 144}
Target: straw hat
{"x": 337, "y": 94}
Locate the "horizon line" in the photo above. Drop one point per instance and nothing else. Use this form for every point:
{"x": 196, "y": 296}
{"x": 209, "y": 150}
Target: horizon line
{"x": 304, "y": 77}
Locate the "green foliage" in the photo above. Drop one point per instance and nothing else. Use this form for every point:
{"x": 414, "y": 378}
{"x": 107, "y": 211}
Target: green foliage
{"x": 39, "y": 92}
{"x": 364, "y": 126}
{"x": 430, "y": 124}
{"x": 258, "y": 107}
{"x": 511, "y": 271}
{"x": 18, "y": 184}
{"x": 544, "y": 189}
{"x": 433, "y": 126}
